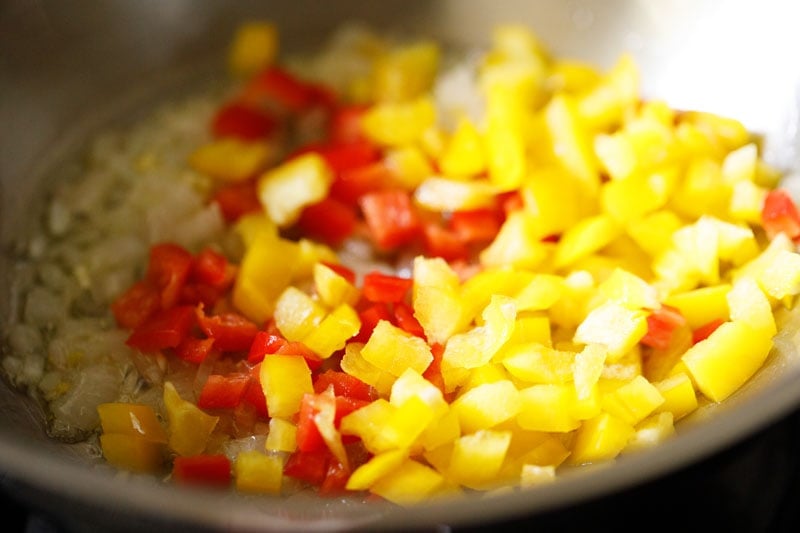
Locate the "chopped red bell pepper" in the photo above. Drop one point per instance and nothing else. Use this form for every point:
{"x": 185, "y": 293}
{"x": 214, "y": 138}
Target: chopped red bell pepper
{"x": 329, "y": 220}
{"x": 168, "y": 269}
{"x": 336, "y": 478}
{"x": 133, "y": 307}
{"x": 391, "y": 218}
{"x": 309, "y": 439}
{"x": 384, "y": 288}
{"x": 311, "y": 467}
{"x": 237, "y": 199}
{"x": 661, "y": 324}
{"x": 351, "y": 184}
{"x": 342, "y": 270}
{"x": 444, "y": 243}
{"x": 780, "y": 215}
{"x": 212, "y": 470}
{"x": 405, "y": 320}
{"x": 346, "y": 126}
{"x": 193, "y": 349}
{"x": 313, "y": 360}
{"x": 344, "y": 385}
{"x": 344, "y": 156}
{"x": 479, "y": 225}
{"x": 166, "y": 329}
{"x": 264, "y": 343}
{"x": 703, "y": 332}
{"x": 434, "y": 371}
{"x": 223, "y": 392}
{"x": 212, "y": 268}
{"x": 235, "y": 119}
{"x": 254, "y": 393}
{"x": 370, "y": 316}
{"x": 231, "y": 331}
{"x": 278, "y": 86}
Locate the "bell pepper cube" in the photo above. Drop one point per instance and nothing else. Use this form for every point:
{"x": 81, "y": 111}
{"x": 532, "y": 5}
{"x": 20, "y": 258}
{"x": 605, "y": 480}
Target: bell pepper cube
{"x": 548, "y": 408}
{"x": 285, "y": 190}
{"x": 282, "y": 436}
{"x": 394, "y": 351}
{"x": 209, "y": 470}
{"x": 410, "y": 483}
{"x": 701, "y": 306}
{"x": 256, "y": 472}
{"x": 230, "y": 159}
{"x": 366, "y": 475}
{"x": 615, "y": 326}
{"x": 133, "y": 453}
{"x": 488, "y": 405}
{"x": 189, "y": 427}
{"x": 723, "y": 362}
{"x": 486, "y": 448}
{"x": 297, "y": 314}
{"x": 679, "y": 395}
{"x": 436, "y": 299}
{"x": 285, "y": 379}
{"x": 131, "y": 419}
{"x": 600, "y": 439}
{"x": 632, "y": 402}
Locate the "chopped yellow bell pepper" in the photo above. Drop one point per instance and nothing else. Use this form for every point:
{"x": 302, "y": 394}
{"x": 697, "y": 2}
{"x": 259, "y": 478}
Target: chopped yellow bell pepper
{"x": 189, "y": 427}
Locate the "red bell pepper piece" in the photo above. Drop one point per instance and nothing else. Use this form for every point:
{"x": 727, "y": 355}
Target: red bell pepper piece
{"x": 311, "y": 467}
{"x": 212, "y": 268}
{"x": 313, "y": 360}
{"x": 254, "y": 393}
{"x": 391, "y": 218}
{"x": 309, "y": 439}
{"x": 329, "y": 220}
{"x": 479, "y": 225}
{"x": 703, "y": 332}
{"x": 345, "y": 125}
{"x": 168, "y": 270}
{"x": 370, "y": 316}
{"x": 345, "y": 156}
{"x": 779, "y": 214}
{"x": 344, "y": 385}
{"x": 212, "y": 470}
{"x": 444, "y": 243}
{"x": 661, "y": 324}
{"x": 335, "y": 480}
{"x": 275, "y": 85}
{"x": 384, "y": 288}
{"x": 434, "y": 371}
{"x": 223, "y": 392}
{"x": 351, "y": 184}
{"x": 235, "y": 119}
{"x": 194, "y": 350}
{"x": 264, "y": 343}
{"x": 231, "y": 331}
{"x": 166, "y": 329}
{"x": 342, "y": 270}
{"x": 133, "y": 307}
{"x": 405, "y": 320}
{"x": 237, "y": 199}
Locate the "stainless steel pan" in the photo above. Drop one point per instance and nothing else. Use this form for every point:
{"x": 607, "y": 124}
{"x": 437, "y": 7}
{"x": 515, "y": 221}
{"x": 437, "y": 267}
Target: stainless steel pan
{"x": 68, "y": 67}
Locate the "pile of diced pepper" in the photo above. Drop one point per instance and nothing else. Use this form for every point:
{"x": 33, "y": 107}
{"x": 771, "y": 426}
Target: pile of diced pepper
{"x": 588, "y": 268}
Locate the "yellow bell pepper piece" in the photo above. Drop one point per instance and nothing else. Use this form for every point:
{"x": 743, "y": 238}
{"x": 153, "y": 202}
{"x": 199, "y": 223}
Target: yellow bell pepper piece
{"x": 230, "y": 159}
{"x": 679, "y": 396}
{"x": 477, "y": 458}
{"x": 254, "y": 47}
{"x": 133, "y": 453}
{"x": 297, "y": 315}
{"x": 354, "y": 364}
{"x": 570, "y": 142}
{"x": 399, "y": 124}
{"x": 259, "y": 473}
{"x": 409, "y": 484}
{"x": 282, "y": 436}
{"x": 606, "y": 103}
{"x": 446, "y": 194}
{"x": 486, "y": 406}
{"x": 703, "y": 305}
{"x": 585, "y": 238}
{"x": 477, "y": 346}
{"x": 517, "y": 244}
{"x": 394, "y": 351}
{"x": 548, "y": 407}
{"x": 615, "y": 326}
{"x": 332, "y": 288}
{"x": 634, "y": 401}
{"x": 436, "y": 299}
{"x": 131, "y": 419}
{"x": 600, "y": 439}
{"x": 334, "y": 331}
{"x": 285, "y": 190}
{"x": 465, "y": 153}
{"x": 651, "y": 431}
{"x": 536, "y": 363}
{"x": 383, "y": 426}
{"x": 405, "y": 72}
{"x": 748, "y": 303}
{"x": 189, "y": 427}
{"x": 285, "y": 379}
{"x": 366, "y": 475}
{"x": 724, "y": 361}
